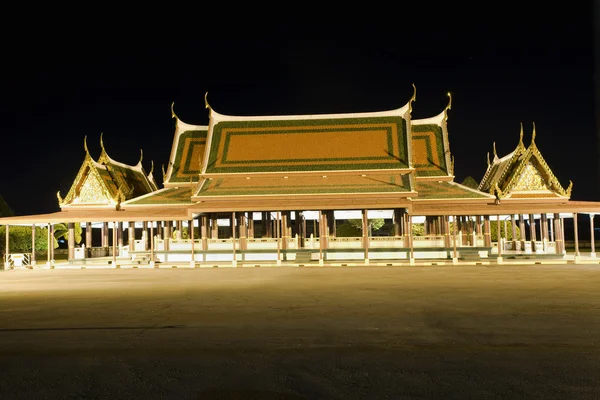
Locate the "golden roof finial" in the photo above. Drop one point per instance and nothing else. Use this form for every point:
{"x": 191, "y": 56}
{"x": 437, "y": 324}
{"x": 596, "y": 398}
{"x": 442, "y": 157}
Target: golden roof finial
{"x": 569, "y": 188}
{"x": 495, "y": 154}
{"x": 488, "y": 158}
{"x": 173, "y": 115}
{"x": 141, "y": 156}
{"x": 164, "y": 174}
{"x": 449, "y": 106}
{"x": 413, "y": 98}
{"x": 521, "y": 135}
{"x": 85, "y": 145}
{"x": 206, "y": 105}
{"x": 102, "y": 142}
{"x": 533, "y": 134}
{"x": 151, "y": 167}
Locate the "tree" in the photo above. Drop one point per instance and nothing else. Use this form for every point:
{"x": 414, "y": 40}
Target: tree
{"x": 61, "y": 231}
{"x": 506, "y": 234}
{"x": 19, "y": 238}
{"x": 5, "y": 210}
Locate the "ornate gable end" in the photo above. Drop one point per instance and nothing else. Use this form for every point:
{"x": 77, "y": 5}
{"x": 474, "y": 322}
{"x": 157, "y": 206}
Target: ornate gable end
{"x": 89, "y": 188}
{"x": 532, "y": 178}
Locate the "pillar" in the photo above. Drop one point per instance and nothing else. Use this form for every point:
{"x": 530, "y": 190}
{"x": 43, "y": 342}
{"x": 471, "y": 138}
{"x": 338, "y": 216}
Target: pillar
{"x": 283, "y": 225}
{"x": 592, "y": 237}
{"x": 105, "y": 234}
{"x": 71, "y": 241}
{"x": 557, "y": 229}
{"x": 214, "y": 226}
{"x": 251, "y": 225}
{"x": 365, "y": 235}
{"x": 33, "y": 262}
{"x": 131, "y": 235}
{"x": 204, "y": 231}
{"x": 88, "y": 234}
{"x": 487, "y": 239}
{"x": 242, "y": 228}
{"x": 576, "y": 236}
{"x": 499, "y": 235}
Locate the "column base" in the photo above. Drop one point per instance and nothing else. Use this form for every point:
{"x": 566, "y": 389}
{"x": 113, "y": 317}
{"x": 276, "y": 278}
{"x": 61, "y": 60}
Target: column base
{"x": 278, "y": 262}
{"x": 192, "y": 264}
{"x": 411, "y": 261}
{"x": 499, "y": 260}
{"x": 366, "y": 261}
{"x": 234, "y": 263}
{"x": 152, "y": 265}
{"x": 593, "y": 254}
{"x": 321, "y": 262}
{"x": 454, "y": 260}
{"x": 577, "y": 259}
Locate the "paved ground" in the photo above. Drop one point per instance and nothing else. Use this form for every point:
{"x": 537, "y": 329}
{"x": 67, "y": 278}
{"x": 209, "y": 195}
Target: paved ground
{"x": 435, "y": 332}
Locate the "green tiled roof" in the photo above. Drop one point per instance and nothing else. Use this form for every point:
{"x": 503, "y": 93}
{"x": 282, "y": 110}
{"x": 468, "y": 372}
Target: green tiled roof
{"x": 428, "y": 151}
{"x": 439, "y": 190}
{"x": 167, "y": 196}
{"x": 335, "y": 184}
{"x": 136, "y": 181}
{"x": 331, "y": 144}
{"x": 188, "y": 157}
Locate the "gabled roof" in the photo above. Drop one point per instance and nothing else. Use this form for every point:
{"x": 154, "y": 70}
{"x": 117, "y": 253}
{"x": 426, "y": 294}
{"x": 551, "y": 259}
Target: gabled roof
{"x": 445, "y": 190}
{"x": 106, "y": 182}
{"x": 522, "y": 174}
{"x": 171, "y": 196}
{"x": 131, "y": 180}
{"x": 313, "y": 144}
{"x": 304, "y": 185}
{"x": 187, "y": 153}
{"x": 430, "y": 146}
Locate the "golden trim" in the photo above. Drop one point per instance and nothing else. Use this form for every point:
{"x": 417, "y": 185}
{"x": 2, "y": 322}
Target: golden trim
{"x": 85, "y": 145}
{"x": 141, "y": 156}
{"x": 173, "y": 115}
{"x": 521, "y": 136}
{"x": 413, "y": 98}
{"x": 495, "y": 154}
{"x": 206, "y": 105}
{"x": 533, "y": 135}
{"x": 102, "y": 142}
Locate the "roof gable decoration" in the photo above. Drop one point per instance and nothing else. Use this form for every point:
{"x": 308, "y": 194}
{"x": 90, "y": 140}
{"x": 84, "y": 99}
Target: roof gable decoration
{"x": 534, "y": 176}
{"x": 430, "y": 146}
{"x": 498, "y": 168}
{"x": 130, "y": 180}
{"x": 89, "y": 186}
{"x": 308, "y": 143}
{"x": 527, "y": 175}
{"x": 187, "y": 153}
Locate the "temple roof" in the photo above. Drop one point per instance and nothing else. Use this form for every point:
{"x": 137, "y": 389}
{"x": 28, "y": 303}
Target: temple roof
{"x": 166, "y": 196}
{"x": 187, "y": 153}
{"x": 107, "y": 182}
{"x": 313, "y": 144}
{"x": 303, "y": 185}
{"x": 430, "y": 146}
{"x": 443, "y": 190}
{"x": 522, "y": 174}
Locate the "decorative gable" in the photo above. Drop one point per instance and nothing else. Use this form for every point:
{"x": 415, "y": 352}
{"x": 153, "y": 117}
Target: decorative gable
{"x": 530, "y": 180}
{"x": 92, "y": 191}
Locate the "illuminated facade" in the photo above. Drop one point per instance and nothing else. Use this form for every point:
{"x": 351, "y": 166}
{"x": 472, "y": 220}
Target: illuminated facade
{"x": 277, "y": 189}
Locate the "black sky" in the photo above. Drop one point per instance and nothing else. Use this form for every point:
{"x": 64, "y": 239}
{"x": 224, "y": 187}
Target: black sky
{"x": 503, "y": 66}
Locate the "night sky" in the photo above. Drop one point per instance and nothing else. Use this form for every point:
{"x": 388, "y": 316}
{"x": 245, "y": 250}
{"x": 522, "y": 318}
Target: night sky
{"x": 502, "y": 66}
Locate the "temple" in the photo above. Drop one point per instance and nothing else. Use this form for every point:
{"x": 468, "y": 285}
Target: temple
{"x": 369, "y": 188}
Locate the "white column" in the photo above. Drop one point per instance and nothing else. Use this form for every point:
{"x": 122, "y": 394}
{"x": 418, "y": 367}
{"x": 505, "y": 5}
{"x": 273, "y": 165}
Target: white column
{"x": 592, "y": 238}
{"x": 576, "y": 235}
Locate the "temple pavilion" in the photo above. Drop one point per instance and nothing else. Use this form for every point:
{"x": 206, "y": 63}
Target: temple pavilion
{"x": 246, "y": 190}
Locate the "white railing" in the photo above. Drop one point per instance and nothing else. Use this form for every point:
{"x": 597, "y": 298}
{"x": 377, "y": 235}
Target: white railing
{"x": 17, "y": 259}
